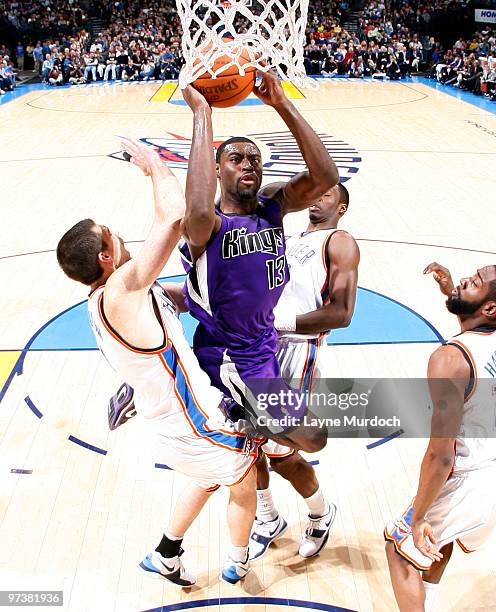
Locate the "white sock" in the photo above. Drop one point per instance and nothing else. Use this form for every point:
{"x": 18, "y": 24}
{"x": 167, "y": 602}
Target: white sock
{"x": 430, "y": 594}
{"x": 238, "y": 553}
{"x": 317, "y": 504}
{"x": 266, "y": 511}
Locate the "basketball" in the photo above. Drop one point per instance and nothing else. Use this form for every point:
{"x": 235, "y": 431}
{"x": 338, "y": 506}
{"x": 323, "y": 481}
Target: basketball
{"x": 229, "y": 88}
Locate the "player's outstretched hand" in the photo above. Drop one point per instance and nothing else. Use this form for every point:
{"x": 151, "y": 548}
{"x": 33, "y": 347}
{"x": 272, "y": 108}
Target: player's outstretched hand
{"x": 141, "y": 155}
{"x": 424, "y": 540}
{"x": 442, "y": 276}
{"x": 194, "y": 99}
{"x": 270, "y": 90}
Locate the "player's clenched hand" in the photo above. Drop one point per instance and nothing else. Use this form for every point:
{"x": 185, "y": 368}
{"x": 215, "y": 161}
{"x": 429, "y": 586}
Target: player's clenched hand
{"x": 442, "y": 276}
{"x": 270, "y": 90}
{"x": 194, "y": 99}
{"x": 424, "y": 540}
{"x": 141, "y": 155}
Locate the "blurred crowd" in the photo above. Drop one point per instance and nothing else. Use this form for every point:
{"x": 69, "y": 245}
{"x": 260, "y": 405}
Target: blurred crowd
{"x": 137, "y": 43}
{"x": 391, "y": 40}
{"x": 387, "y": 39}
{"x": 470, "y": 65}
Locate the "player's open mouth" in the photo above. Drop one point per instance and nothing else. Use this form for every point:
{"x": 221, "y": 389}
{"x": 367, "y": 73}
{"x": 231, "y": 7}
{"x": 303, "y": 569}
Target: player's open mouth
{"x": 248, "y": 178}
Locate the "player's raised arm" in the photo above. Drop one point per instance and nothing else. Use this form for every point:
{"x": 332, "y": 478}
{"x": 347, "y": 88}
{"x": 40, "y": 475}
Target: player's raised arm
{"x": 322, "y": 174}
{"x": 200, "y": 220}
{"x": 138, "y": 274}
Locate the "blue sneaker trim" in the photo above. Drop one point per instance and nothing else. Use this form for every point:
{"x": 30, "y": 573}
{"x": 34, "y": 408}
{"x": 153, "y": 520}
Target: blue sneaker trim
{"x": 148, "y": 566}
{"x": 231, "y": 575}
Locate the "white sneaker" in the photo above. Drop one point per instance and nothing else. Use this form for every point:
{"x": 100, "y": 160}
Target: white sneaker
{"x": 317, "y": 533}
{"x": 234, "y": 571}
{"x": 263, "y": 534}
{"x": 171, "y": 568}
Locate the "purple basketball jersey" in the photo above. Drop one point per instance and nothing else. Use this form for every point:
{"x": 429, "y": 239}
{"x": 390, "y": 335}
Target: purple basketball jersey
{"x": 233, "y": 287}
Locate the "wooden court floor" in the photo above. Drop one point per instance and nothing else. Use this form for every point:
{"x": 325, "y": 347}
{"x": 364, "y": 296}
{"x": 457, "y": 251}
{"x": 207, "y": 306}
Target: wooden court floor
{"x": 79, "y": 505}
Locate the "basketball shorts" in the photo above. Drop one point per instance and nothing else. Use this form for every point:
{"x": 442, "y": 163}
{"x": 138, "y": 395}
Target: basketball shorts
{"x": 250, "y": 380}
{"x": 299, "y": 360}
{"x": 210, "y": 463}
{"x": 465, "y": 512}
{"x": 273, "y": 450}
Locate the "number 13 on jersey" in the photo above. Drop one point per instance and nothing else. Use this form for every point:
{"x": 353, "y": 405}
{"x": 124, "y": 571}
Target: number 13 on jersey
{"x": 276, "y": 271}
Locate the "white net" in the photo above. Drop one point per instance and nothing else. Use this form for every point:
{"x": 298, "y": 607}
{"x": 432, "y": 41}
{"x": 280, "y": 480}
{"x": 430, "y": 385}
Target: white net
{"x": 261, "y": 33}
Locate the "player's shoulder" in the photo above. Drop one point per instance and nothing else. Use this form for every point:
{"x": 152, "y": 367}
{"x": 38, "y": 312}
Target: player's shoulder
{"x": 342, "y": 243}
{"x": 449, "y": 360}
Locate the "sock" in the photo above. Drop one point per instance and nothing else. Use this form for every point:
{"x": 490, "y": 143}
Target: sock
{"x": 317, "y": 504}
{"x": 266, "y": 511}
{"x": 169, "y": 546}
{"x": 239, "y": 553}
{"x": 430, "y": 594}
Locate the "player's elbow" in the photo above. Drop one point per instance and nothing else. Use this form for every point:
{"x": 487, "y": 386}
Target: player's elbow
{"x": 345, "y": 318}
{"x": 339, "y": 320}
{"x": 198, "y": 226}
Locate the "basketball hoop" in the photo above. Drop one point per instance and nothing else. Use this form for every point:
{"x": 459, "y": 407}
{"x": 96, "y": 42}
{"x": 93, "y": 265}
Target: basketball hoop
{"x": 272, "y": 32}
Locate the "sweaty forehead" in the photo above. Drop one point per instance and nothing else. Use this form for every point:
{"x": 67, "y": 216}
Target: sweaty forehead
{"x": 242, "y": 148}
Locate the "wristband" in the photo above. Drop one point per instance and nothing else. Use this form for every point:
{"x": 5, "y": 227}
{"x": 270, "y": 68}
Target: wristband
{"x": 285, "y": 321}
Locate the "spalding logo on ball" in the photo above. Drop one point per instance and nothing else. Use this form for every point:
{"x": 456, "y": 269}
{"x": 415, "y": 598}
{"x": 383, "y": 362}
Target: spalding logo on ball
{"x": 229, "y": 87}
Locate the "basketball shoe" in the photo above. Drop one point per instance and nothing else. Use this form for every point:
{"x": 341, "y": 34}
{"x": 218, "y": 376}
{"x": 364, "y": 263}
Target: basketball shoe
{"x": 234, "y": 571}
{"x": 121, "y": 406}
{"x": 171, "y": 568}
{"x": 263, "y": 534}
{"x": 317, "y": 533}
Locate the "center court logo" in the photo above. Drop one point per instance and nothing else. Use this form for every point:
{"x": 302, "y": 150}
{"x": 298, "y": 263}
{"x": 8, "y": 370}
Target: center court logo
{"x": 283, "y": 161}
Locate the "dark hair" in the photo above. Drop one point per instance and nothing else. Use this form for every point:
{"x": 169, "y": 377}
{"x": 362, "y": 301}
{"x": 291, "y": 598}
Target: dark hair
{"x": 77, "y": 252}
{"x": 491, "y": 293}
{"x": 229, "y": 141}
{"x": 344, "y": 196}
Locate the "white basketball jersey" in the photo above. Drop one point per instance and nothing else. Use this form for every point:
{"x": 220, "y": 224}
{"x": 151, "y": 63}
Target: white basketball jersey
{"x": 169, "y": 385}
{"x": 476, "y": 442}
{"x": 308, "y": 286}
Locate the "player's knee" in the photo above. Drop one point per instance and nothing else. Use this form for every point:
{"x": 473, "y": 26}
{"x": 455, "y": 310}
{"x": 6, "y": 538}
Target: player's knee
{"x": 314, "y": 441}
{"x": 284, "y": 466}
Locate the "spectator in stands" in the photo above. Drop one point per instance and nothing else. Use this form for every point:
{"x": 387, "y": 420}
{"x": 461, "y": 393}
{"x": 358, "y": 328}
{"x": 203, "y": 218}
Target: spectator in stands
{"x": 55, "y": 77}
{"x": 111, "y": 67}
{"x": 46, "y": 67}
{"x": 19, "y": 51}
{"x": 147, "y": 69}
{"x": 76, "y": 76}
{"x": 130, "y": 72}
{"x": 37, "y": 57}
{"x": 7, "y": 73}
{"x": 90, "y": 63}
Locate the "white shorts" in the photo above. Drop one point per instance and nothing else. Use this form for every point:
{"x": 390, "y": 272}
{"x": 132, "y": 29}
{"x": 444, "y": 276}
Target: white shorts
{"x": 299, "y": 360}
{"x": 465, "y": 512}
{"x": 273, "y": 450}
{"x": 224, "y": 457}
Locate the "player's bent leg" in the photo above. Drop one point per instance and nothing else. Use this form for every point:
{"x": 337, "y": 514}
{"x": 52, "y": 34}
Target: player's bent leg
{"x": 268, "y": 525}
{"x": 432, "y": 577}
{"x": 321, "y": 513}
{"x": 307, "y": 438}
{"x": 240, "y": 516}
{"x": 298, "y": 472}
{"x": 406, "y": 580}
{"x": 165, "y": 560}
